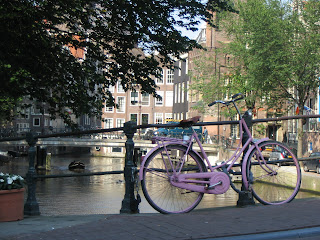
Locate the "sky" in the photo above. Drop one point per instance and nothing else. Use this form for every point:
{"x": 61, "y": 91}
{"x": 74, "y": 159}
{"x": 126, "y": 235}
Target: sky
{"x": 193, "y": 35}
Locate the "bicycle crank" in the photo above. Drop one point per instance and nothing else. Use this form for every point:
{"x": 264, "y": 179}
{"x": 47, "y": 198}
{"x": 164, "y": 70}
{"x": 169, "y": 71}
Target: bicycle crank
{"x": 206, "y": 182}
{"x": 213, "y": 186}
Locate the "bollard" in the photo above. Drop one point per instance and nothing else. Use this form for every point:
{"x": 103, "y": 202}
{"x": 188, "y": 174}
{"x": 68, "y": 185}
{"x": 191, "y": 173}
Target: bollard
{"x": 130, "y": 204}
{"x": 48, "y": 162}
{"x": 245, "y": 196}
{"x": 41, "y": 158}
{"x": 31, "y": 206}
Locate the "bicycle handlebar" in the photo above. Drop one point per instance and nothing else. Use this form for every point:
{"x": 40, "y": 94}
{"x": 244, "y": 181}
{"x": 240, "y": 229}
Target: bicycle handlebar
{"x": 234, "y": 99}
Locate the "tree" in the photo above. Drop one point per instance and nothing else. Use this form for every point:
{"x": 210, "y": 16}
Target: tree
{"x": 277, "y": 50}
{"x": 37, "y": 35}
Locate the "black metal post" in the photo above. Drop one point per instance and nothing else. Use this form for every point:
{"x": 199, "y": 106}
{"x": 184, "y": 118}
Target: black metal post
{"x": 245, "y": 196}
{"x": 130, "y": 204}
{"x": 31, "y": 206}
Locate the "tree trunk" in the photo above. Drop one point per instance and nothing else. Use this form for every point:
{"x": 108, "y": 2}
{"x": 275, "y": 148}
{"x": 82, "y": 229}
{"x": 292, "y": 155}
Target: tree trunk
{"x": 300, "y": 138}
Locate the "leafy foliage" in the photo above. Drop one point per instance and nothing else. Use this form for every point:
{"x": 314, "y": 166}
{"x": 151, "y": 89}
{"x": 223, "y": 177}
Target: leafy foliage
{"x": 66, "y": 53}
{"x": 277, "y": 49}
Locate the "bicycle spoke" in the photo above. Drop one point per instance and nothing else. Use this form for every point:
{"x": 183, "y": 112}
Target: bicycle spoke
{"x": 270, "y": 183}
{"x": 156, "y": 185}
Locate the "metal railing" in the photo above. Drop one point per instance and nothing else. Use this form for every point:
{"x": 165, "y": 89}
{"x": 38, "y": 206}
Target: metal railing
{"x": 130, "y": 202}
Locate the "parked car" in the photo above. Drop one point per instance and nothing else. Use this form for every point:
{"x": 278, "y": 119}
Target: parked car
{"x": 161, "y": 132}
{"x": 312, "y": 164}
{"x": 179, "y": 132}
{"x": 147, "y": 134}
{"x": 279, "y": 154}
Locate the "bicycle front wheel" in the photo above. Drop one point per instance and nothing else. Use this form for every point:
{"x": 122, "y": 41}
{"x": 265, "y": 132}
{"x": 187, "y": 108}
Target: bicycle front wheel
{"x": 274, "y": 177}
{"x": 157, "y": 172}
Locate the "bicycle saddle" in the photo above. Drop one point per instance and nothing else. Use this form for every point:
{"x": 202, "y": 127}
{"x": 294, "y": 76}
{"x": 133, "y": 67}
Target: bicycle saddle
{"x": 189, "y": 122}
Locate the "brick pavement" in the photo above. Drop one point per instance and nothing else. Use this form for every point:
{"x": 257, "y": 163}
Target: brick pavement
{"x": 199, "y": 224}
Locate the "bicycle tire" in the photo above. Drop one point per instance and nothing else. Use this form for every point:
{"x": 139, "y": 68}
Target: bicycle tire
{"x": 272, "y": 183}
{"x": 156, "y": 186}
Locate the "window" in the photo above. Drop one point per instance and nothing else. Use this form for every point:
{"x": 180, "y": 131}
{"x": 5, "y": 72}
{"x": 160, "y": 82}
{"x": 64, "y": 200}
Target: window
{"x": 23, "y": 113}
{"x": 187, "y": 92}
{"x": 159, "y": 102}
{"x": 145, "y": 99}
{"x": 109, "y": 109}
{"x": 158, "y": 118}
{"x": 186, "y": 66}
{"x": 176, "y": 88}
{"x": 116, "y": 149}
{"x": 86, "y": 120}
{"x": 120, "y": 122}
{"x": 111, "y": 89}
{"x": 121, "y": 104}
{"x": 169, "y": 98}
{"x": 234, "y": 128}
{"x": 178, "y": 92}
{"x": 183, "y": 92}
{"x": 23, "y": 127}
{"x": 134, "y": 97}
{"x": 120, "y": 88}
{"x": 159, "y": 80}
{"x": 134, "y": 117}
{"x": 169, "y": 76}
{"x": 108, "y": 123}
{"x": 168, "y": 116}
{"x": 36, "y": 122}
{"x": 144, "y": 118}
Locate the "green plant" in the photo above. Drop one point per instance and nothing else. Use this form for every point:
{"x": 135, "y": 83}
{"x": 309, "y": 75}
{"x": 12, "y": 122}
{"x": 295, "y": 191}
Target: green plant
{"x": 11, "y": 181}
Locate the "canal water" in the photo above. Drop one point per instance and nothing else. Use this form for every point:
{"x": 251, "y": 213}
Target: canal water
{"x": 101, "y": 194}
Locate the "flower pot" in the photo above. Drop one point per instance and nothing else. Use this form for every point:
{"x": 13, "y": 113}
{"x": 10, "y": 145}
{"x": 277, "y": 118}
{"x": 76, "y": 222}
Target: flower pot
{"x": 11, "y": 205}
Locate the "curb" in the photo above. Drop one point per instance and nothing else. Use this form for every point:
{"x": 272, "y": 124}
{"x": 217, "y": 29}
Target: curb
{"x": 297, "y": 233}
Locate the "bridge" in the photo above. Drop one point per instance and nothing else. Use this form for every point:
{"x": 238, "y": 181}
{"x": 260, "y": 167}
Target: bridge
{"x": 211, "y": 150}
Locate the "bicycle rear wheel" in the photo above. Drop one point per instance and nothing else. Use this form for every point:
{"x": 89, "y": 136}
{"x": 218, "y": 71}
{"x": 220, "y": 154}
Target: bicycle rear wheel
{"x": 277, "y": 178}
{"x": 156, "y": 186}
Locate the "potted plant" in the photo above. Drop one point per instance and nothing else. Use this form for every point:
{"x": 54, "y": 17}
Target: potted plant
{"x": 11, "y": 197}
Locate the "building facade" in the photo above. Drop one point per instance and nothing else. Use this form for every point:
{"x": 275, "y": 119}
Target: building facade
{"x": 140, "y": 107}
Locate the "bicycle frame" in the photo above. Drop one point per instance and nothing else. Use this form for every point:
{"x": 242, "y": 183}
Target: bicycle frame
{"x": 183, "y": 180}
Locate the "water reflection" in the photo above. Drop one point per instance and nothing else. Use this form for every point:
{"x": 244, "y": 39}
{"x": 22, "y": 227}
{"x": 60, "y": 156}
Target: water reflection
{"x": 95, "y": 194}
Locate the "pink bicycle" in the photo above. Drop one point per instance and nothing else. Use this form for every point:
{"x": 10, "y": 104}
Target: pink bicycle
{"x": 174, "y": 177}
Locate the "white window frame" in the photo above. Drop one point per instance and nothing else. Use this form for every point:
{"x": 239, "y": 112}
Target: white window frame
{"x": 135, "y": 99}
{"x": 122, "y": 108}
{"x": 111, "y": 89}
{"x": 34, "y": 122}
{"x": 108, "y": 123}
{"x": 161, "y": 79}
{"x": 168, "y": 116}
{"x": 187, "y": 67}
{"x": 145, "y": 114}
{"x": 109, "y": 109}
{"x": 169, "y": 99}
{"x": 86, "y": 120}
{"x": 120, "y": 88}
{"x": 170, "y": 74}
{"x": 158, "y": 116}
{"x": 136, "y": 114}
{"x": 159, "y": 102}
{"x": 145, "y": 96}
{"x": 120, "y": 122}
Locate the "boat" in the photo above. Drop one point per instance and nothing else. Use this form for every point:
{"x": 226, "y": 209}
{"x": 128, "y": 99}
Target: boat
{"x": 76, "y": 166}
